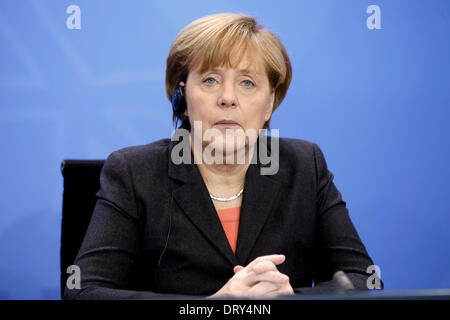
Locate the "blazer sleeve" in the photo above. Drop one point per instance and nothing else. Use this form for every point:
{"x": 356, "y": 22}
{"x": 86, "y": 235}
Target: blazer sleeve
{"x": 337, "y": 243}
{"x": 108, "y": 256}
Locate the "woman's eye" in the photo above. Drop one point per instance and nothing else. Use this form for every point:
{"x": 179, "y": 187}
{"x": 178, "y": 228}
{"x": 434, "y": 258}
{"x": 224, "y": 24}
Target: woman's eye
{"x": 248, "y": 83}
{"x": 209, "y": 80}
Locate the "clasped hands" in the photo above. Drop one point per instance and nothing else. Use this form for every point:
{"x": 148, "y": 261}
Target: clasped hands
{"x": 259, "y": 279}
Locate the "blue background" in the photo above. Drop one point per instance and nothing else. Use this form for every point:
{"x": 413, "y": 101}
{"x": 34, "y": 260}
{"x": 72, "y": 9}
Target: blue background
{"x": 376, "y": 102}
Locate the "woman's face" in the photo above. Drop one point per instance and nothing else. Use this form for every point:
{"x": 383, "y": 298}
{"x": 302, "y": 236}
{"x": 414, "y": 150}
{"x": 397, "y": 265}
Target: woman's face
{"x": 241, "y": 95}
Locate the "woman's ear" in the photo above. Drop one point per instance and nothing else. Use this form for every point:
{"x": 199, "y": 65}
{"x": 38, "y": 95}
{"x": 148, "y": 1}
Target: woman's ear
{"x": 183, "y": 91}
{"x": 270, "y": 106}
{"x": 181, "y": 84}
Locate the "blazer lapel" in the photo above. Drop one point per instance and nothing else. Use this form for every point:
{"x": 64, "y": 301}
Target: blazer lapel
{"x": 259, "y": 198}
{"x": 193, "y": 198}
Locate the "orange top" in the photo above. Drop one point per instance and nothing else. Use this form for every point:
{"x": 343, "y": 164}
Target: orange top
{"x": 230, "y": 222}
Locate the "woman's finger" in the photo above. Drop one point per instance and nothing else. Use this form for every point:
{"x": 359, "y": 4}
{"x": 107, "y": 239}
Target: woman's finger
{"x": 237, "y": 268}
{"x": 262, "y": 288}
{"x": 276, "y": 259}
{"x": 269, "y": 276}
{"x": 264, "y": 266}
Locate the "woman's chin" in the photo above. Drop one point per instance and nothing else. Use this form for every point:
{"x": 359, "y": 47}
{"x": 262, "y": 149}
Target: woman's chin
{"x": 226, "y": 153}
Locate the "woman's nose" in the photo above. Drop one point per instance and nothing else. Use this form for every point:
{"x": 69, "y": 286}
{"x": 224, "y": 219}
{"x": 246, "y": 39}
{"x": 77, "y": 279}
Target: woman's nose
{"x": 227, "y": 96}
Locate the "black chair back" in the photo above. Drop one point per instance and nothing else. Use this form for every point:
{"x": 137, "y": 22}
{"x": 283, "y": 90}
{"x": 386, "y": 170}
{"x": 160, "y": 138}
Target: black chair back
{"x": 81, "y": 183}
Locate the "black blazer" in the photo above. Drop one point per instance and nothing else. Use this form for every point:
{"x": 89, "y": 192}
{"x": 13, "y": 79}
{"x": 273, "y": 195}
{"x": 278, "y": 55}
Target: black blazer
{"x": 155, "y": 233}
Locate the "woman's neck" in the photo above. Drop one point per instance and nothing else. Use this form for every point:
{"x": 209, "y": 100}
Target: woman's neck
{"x": 222, "y": 180}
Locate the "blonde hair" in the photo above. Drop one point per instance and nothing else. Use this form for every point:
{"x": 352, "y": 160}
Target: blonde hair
{"x": 209, "y": 41}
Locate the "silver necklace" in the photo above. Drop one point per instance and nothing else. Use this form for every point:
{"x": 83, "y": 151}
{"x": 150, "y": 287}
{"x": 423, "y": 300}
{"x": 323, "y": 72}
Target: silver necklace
{"x": 227, "y": 199}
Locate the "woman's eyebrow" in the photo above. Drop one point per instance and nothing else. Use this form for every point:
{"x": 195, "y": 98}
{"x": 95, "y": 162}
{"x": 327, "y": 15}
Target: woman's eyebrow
{"x": 245, "y": 70}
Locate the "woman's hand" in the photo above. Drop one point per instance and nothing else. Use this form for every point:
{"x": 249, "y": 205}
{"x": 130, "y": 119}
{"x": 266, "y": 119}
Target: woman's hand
{"x": 260, "y": 278}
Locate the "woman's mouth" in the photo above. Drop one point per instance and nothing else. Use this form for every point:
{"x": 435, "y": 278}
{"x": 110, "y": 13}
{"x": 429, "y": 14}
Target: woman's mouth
{"x": 226, "y": 123}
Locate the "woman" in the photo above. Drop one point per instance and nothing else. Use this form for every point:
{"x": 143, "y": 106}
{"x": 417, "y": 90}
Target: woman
{"x": 213, "y": 225}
